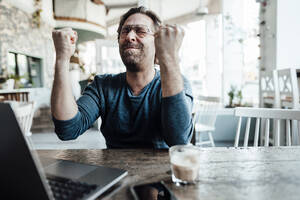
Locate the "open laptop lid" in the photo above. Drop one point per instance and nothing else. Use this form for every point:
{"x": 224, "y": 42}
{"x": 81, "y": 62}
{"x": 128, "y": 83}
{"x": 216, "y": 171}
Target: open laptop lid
{"x": 20, "y": 176}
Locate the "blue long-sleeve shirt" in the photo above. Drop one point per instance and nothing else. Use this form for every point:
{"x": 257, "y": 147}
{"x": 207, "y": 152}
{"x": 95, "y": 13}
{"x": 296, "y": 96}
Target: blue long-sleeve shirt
{"x": 128, "y": 121}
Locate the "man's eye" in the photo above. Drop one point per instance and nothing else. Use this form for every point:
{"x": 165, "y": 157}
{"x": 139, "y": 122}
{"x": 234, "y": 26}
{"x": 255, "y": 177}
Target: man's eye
{"x": 141, "y": 31}
{"x": 125, "y": 30}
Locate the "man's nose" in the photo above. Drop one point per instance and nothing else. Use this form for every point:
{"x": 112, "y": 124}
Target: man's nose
{"x": 131, "y": 36}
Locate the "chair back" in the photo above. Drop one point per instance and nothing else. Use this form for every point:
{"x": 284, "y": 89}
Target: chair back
{"x": 288, "y": 88}
{"x": 267, "y": 114}
{"x": 14, "y": 96}
{"x": 24, "y": 114}
{"x": 269, "y": 91}
{"x": 205, "y": 110}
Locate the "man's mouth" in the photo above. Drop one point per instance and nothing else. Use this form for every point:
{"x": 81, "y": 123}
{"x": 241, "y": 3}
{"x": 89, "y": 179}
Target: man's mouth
{"x": 130, "y": 47}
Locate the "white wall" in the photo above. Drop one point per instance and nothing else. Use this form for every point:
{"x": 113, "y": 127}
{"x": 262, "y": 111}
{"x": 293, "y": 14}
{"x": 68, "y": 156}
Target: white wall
{"x": 47, "y": 13}
{"x": 268, "y": 36}
{"x": 171, "y": 8}
{"x": 28, "y": 6}
{"x": 232, "y": 49}
{"x": 213, "y": 55}
{"x": 288, "y": 33}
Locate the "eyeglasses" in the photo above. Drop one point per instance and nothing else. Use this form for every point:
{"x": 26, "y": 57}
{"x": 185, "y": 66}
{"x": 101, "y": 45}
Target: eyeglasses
{"x": 140, "y": 30}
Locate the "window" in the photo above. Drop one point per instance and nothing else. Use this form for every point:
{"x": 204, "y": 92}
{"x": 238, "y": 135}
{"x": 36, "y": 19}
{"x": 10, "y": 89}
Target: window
{"x": 26, "y": 69}
{"x": 193, "y": 55}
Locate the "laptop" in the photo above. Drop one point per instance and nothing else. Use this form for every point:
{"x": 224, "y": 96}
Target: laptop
{"x": 25, "y": 176}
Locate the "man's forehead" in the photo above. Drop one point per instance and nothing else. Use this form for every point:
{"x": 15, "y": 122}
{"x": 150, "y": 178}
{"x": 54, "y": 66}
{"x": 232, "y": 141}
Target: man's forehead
{"x": 139, "y": 19}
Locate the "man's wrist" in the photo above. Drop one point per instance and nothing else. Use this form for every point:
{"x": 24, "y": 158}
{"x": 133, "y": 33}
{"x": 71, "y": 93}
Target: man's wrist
{"x": 169, "y": 67}
{"x": 168, "y": 60}
{"x": 62, "y": 59}
{"x": 62, "y": 63}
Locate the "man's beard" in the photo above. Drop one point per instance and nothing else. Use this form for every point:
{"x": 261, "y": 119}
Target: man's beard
{"x": 132, "y": 58}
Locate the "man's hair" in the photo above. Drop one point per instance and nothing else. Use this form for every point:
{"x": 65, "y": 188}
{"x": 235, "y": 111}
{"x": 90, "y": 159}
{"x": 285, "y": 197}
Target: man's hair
{"x": 142, "y": 10}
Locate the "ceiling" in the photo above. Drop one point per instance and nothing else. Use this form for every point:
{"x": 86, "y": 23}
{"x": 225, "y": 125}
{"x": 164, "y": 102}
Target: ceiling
{"x": 170, "y": 11}
{"x": 166, "y": 9}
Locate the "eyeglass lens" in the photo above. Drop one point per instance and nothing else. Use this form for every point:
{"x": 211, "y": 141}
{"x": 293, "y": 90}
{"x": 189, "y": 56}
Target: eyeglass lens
{"x": 141, "y": 31}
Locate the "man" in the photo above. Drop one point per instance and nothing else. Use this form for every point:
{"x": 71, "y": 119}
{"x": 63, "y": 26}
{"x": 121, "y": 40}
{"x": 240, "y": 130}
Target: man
{"x": 142, "y": 108}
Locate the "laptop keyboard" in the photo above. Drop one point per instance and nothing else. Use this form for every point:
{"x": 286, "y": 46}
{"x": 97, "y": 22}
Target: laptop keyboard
{"x": 63, "y": 188}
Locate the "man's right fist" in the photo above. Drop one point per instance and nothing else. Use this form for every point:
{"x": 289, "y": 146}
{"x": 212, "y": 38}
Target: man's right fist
{"x": 65, "y": 43}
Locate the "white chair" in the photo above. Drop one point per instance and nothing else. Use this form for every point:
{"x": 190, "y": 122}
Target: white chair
{"x": 267, "y": 114}
{"x": 288, "y": 88}
{"x": 269, "y": 97}
{"x": 269, "y": 93}
{"x": 289, "y": 94}
{"x": 24, "y": 114}
{"x": 205, "y": 114}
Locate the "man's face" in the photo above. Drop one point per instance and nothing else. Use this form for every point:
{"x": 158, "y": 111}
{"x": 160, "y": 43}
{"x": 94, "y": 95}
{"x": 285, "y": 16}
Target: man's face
{"x": 136, "y": 43}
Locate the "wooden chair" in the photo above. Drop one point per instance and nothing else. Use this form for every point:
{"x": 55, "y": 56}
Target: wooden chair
{"x": 24, "y": 114}
{"x": 266, "y": 114}
{"x": 14, "y": 96}
{"x": 205, "y": 115}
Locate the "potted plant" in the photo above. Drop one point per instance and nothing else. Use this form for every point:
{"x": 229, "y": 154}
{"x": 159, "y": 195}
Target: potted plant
{"x": 239, "y": 96}
{"x": 231, "y": 95}
{"x": 7, "y": 82}
{"x": 235, "y": 97}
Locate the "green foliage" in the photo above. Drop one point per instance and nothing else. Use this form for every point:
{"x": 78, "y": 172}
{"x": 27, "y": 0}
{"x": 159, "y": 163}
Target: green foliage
{"x": 231, "y": 95}
{"x": 235, "y": 94}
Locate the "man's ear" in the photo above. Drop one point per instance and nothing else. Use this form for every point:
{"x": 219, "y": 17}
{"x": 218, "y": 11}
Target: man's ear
{"x": 156, "y": 61}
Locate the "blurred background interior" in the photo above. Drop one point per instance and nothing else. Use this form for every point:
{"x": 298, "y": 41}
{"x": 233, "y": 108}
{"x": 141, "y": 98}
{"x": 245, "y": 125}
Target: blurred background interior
{"x": 228, "y": 46}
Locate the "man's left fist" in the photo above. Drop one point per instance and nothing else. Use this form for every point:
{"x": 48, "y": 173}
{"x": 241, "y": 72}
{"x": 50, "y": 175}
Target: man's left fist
{"x": 168, "y": 40}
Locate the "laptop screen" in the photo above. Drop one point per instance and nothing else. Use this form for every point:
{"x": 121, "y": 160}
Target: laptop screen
{"x": 20, "y": 178}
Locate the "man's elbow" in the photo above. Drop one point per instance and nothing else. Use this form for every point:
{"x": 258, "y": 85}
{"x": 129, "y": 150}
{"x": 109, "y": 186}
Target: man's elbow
{"x": 66, "y": 136}
{"x": 177, "y": 141}
{"x": 180, "y": 139}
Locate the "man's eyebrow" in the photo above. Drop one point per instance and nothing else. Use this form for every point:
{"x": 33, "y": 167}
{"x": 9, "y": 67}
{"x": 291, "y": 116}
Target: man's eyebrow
{"x": 137, "y": 25}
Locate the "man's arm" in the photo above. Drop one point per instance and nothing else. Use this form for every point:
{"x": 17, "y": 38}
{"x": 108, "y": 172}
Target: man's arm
{"x": 71, "y": 118}
{"x": 176, "y": 116}
{"x": 89, "y": 106}
{"x": 177, "y": 97}
{"x": 168, "y": 40}
{"x": 63, "y": 105}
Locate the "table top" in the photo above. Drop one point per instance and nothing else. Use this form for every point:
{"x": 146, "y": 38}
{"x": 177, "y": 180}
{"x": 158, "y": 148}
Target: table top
{"x": 226, "y": 173}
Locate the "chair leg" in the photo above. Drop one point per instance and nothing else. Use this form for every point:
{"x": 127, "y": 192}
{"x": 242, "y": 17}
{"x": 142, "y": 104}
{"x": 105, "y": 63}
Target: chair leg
{"x": 262, "y": 131}
{"x": 199, "y": 142}
{"x": 198, "y": 139}
{"x": 211, "y": 139}
{"x": 295, "y": 139}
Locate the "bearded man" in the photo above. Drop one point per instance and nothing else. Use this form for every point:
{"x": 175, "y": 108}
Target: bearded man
{"x": 141, "y": 108}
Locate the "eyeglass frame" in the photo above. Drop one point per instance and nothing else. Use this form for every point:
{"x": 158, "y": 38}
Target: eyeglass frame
{"x": 132, "y": 27}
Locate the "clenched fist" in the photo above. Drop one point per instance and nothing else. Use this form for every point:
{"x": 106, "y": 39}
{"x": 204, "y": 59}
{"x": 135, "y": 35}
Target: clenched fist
{"x": 168, "y": 40}
{"x": 64, "y": 42}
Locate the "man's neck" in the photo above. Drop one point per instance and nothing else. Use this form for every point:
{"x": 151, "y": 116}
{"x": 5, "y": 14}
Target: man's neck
{"x": 138, "y": 80}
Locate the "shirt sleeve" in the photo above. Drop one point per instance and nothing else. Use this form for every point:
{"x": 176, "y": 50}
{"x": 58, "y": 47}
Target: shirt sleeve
{"x": 90, "y": 107}
{"x": 177, "y": 116}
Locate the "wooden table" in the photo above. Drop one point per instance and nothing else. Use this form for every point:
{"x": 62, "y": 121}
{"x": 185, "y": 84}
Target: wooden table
{"x": 226, "y": 173}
